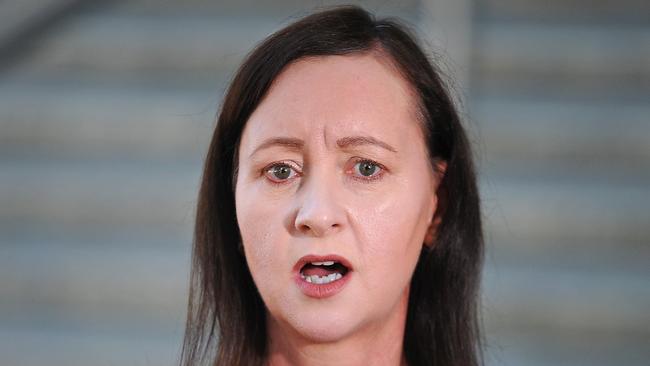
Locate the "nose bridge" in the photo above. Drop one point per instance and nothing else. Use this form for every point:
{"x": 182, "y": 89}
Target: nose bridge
{"x": 320, "y": 210}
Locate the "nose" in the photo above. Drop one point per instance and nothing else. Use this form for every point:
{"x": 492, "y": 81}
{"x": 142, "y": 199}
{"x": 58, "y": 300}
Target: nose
{"x": 320, "y": 213}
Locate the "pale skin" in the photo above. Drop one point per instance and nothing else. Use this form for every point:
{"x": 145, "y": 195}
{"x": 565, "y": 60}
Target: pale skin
{"x": 359, "y": 184}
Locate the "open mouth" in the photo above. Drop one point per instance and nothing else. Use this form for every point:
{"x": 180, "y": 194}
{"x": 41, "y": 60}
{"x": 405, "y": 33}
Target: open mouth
{"x": 323, "y": 272}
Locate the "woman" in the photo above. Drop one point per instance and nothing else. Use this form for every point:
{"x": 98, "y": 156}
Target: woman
{"x": 338, "y": 219}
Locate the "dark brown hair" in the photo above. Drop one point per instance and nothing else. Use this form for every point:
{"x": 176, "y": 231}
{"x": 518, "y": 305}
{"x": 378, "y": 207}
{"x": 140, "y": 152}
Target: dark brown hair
{"x": 226, "y": 321}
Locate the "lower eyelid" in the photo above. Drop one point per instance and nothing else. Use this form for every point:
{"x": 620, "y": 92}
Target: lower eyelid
{"x": 371, "y": 178}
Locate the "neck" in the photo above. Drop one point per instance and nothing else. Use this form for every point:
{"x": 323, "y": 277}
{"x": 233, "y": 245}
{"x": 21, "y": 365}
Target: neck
{"x": 376, "y": 344}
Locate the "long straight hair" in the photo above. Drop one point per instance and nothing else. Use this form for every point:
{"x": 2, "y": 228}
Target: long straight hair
{"x": 226, "y": 320}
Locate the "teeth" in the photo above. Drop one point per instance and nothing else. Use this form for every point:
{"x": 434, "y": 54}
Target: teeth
{"x": 323, "y": 280}
{"x": 327, "y": 263}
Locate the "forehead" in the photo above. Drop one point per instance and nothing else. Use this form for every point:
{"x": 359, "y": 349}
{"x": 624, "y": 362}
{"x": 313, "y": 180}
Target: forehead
{"x": 337, "y": 96}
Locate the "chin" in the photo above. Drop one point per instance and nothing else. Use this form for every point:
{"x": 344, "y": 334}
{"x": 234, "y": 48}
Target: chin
{"x": 324, "y": 325}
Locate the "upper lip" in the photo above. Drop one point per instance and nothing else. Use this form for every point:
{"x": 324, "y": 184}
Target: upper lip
{"x": 321, "y": 258}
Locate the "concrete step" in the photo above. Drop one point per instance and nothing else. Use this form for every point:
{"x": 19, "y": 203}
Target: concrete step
{"x": 538, "y": 210}
{"x": 91, "y": 195}
{"x": 106, "y": 300}
{"x": 564, "y": 11}
{"x": 17, "y": 17}
{"x": 529, "y": 296}
{"x": 606, "y": 133}
{"x": 570, "y": 59}
{"x": 570, "y": 254}
{"x": 540, "y": 213}
{"x": 84, "y": 120}
{"x": 111, "y": 286}
{"x": 537, "y": 347}
{"x": 277, "y": 8}
{"x": 123, "y": 43}
{"x": 65, "y": 346}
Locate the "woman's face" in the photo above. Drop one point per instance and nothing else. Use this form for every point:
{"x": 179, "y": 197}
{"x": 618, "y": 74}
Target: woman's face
{"x": 334, "y": 195}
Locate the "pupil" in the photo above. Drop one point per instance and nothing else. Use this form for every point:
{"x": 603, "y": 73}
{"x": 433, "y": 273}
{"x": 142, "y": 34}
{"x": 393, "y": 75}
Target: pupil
{"x": 281, "y": 172}
{"x": 367, "y": 168}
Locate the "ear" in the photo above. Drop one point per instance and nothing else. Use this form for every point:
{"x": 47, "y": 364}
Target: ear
{"x": 436, "y": 218}
{"x": 432, "y": 231}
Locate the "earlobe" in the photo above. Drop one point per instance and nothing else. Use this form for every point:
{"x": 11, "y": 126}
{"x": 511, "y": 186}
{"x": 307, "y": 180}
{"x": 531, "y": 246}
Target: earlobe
{"x": 439, "y": 171}
{"x": 429, "y": 238}
{"x": 430, "y": 234}
{"x": 432, "y": 230}
{"x": 434, "y": 222}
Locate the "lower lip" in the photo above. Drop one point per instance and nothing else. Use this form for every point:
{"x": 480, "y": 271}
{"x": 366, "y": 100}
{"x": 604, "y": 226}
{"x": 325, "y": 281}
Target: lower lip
{"x": 323, "y": 290}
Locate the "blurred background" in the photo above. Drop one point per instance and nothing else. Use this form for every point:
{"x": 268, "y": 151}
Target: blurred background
{"x": 107, "y": 107}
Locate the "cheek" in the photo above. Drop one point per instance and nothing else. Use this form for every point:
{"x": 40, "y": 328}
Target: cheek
{"x": 257, "y": 249}
{"x": 261, "y": 228}
{"x": 393, "y": 231}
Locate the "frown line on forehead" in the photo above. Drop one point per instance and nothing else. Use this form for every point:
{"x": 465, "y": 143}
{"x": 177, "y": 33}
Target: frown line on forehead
{"x": 293, "y": 143}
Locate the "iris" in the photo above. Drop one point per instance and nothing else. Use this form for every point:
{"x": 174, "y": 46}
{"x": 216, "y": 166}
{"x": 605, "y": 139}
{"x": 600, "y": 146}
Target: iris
{"x": 367, "y": 168}
{"x": 281, "y": 171}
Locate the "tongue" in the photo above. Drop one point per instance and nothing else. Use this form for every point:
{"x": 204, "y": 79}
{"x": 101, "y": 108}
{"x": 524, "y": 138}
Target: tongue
{"x": 311, "y": 270}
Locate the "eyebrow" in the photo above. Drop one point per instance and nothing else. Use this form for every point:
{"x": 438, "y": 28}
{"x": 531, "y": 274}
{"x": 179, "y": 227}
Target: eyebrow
{"x": 363, "y": 140}
{"x": 344, "y": 142}
{"x": 288, "y": 142}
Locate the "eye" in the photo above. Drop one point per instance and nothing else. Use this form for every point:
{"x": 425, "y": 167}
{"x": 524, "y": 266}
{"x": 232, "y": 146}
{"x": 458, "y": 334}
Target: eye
{"x": 367, "y": 169}
{"x": 279, "y": 173}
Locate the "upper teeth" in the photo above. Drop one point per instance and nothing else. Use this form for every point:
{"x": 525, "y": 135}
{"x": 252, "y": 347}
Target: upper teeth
{"x": 327, "y": 263}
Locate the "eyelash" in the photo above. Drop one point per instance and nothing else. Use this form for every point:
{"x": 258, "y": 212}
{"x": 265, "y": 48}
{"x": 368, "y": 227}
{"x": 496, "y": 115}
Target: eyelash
{"x": 382, "y": 170}
{"x": 266, "y": 172}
